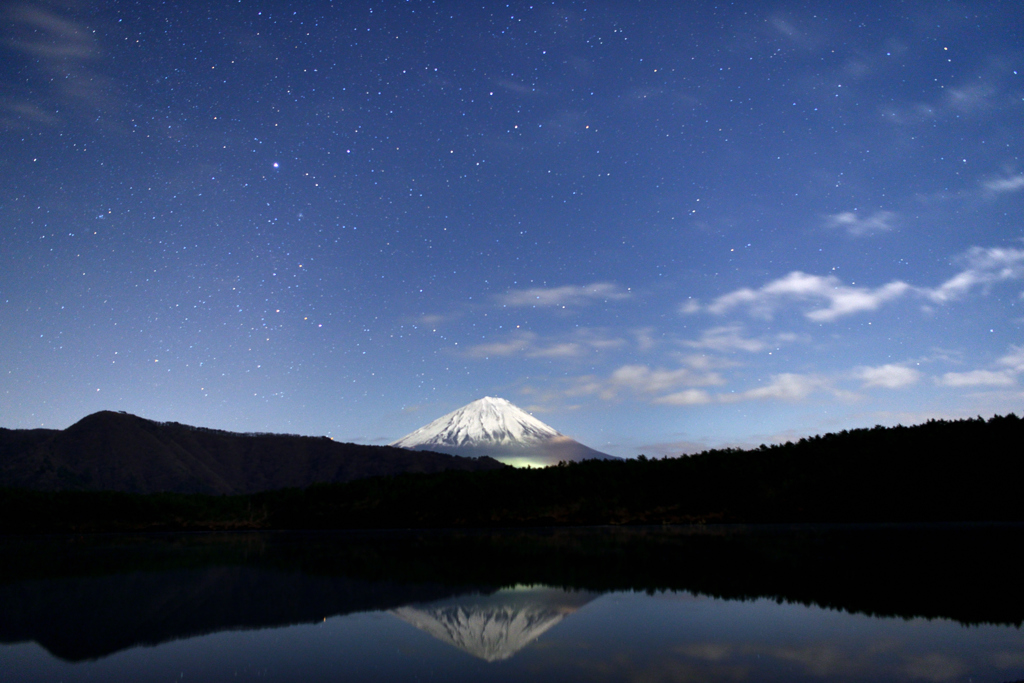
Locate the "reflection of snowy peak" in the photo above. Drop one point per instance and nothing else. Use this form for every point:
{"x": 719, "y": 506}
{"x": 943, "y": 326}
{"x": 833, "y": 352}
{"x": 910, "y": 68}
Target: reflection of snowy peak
{"x": 494, "y": 627}
{"x": 495, "y": 427}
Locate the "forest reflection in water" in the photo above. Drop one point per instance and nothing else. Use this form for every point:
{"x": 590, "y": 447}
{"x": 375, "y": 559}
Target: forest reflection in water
{"x": 768, "y": 603}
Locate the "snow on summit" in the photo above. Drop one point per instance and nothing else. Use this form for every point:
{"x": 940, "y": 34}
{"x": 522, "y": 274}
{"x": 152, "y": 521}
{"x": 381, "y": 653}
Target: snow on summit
{"x": 495, "y": 427}
{"x": 486, "y": 420}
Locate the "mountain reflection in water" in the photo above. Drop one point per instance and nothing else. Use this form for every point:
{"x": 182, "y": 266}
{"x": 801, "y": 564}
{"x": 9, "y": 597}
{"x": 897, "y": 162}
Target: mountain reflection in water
{"x": 496, "y": 626}
{"x": 758, "y": 603}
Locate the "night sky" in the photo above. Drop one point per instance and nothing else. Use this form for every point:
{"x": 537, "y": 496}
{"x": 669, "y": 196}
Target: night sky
{"x": 658, "y": 226}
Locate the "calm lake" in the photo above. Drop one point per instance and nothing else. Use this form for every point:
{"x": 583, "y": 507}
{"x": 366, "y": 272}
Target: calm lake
{"x": 893, "y": 603}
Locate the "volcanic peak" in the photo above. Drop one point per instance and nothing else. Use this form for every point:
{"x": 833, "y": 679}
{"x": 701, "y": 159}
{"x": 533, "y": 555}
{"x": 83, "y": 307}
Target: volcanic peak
{"x": 493, "y": 426}
{"x": 487, "y": 420}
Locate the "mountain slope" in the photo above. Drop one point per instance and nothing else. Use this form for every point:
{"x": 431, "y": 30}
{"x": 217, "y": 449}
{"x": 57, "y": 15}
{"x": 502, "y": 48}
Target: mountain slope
{"x": 495, "y": 427}
{"x": 121, "y": 452}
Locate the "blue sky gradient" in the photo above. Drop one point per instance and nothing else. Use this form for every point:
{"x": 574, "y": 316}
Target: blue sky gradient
{"x": 659, "y": 226}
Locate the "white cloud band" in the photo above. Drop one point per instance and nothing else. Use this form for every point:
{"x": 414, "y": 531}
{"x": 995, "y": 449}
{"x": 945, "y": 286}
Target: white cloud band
{"x": 569, "y": 295}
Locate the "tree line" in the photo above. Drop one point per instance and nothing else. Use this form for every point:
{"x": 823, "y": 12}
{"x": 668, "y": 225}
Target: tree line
{"x": 939, "y": 471}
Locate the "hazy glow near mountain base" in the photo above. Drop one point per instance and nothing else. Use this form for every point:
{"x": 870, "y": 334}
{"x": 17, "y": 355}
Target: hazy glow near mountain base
{"x": 525, "y": 461}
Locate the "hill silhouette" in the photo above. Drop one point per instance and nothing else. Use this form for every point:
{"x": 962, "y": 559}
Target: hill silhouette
{"x": 110, "y": 451}
{"x": 965, "y": 470}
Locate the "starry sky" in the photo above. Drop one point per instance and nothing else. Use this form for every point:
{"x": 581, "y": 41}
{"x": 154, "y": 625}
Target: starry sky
{"x": 658, "y": 226}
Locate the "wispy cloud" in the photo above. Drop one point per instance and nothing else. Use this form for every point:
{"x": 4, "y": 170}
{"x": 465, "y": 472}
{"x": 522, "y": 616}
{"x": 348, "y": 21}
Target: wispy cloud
{"x": 645, "y": 381}
{"x": 889, "y": 376}
{"x": 1004, "y": 374}
{"x": 686, "y": 387}
{"x": 511, "y": 347}
{"x": 726, "y": 338}
{"x": 688, "y": 397}
{"x": 518, "y": 88}
{"x": 970, "y": 98}
{"x": 980, "y": 268}
{"x": 1013, "y": 183}
{"x": 978, "y": 378}
{"x": 51, "y": 36}
{"x": 980, "y": 94}
{"x": 645, "y": 338}
{"x": 862, "y": 226}
{"x": 690, "y": 306}
{"x": 26, "y": 114}
{"x": 563, "y": 350}
{"x": 1014, "y": 360}
{"x": 65, "y": 50}
{"x": 569, "y": 295}
{"x": 786, "y": 28}
{"x": 531, "y": 345}
{"x": 983, "y": 268}
{"x": 841, "y": 300}
{"x": 786, "y": 386}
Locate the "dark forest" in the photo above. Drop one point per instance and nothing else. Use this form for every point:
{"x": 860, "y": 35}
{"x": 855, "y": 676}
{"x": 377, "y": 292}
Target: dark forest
{"x": 940, "y": 471}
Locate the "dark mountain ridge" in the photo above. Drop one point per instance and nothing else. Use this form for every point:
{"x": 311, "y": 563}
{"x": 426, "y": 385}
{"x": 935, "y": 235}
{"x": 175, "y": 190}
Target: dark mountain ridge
{"x": 962, "y": 471}
{"x": 110, "y": 451}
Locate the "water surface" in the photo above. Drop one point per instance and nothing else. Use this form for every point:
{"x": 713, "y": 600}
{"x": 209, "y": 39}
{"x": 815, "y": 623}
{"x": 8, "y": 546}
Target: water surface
{"x": 758, "y": 604}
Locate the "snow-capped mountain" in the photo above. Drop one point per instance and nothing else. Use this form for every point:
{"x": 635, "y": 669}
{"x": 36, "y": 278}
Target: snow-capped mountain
{"x": 495, "y": 627}
{"x": 496, "y": 427}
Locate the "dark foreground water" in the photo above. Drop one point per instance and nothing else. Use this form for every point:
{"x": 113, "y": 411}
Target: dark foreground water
{"x": 759, "y": 604}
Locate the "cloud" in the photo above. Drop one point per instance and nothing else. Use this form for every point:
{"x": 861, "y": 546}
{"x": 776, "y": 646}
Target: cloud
{"x": 64, "y": 50}
{"x": 911, "y": 114}
{"x": 643, "y": 379}
{"x": 980, "y": 95}
{"x": 688, "y": 397}
{"x": 787, "y": 386}
{"x": 984, "y": 267}
{"x": 525, "y": 344}
{"x": 730, "y": 338}
{"x": 888, "y": 376}
{"x": 530, "y": 345}
{"x": 508, "y": 348}
{"x": 26, "y": 113}
{"x": 978, "y": 378}
{"x": 840, "y": 300}
{"x": 727, "y": 338}
{"x": 970, "y": 98}
{"x": 981, "y": 267}
{"x": 50, "y": 36}
{"x": 687, "y": 387}
{"x": 786, "y": 28}
{"x": 1014, "y": 360}
{"x": 1005, "y": 374}
{"x": 702, "y": 361}
{"x": 1013, "y": 183}
{"x": 689, "y": 306}
{"x": 854, "y": 225}
{"x": 645, "y": 340}
{"x": 569, "y": 295}
{"x": 564, "y": 350}
{"x": 518, "y": 88}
